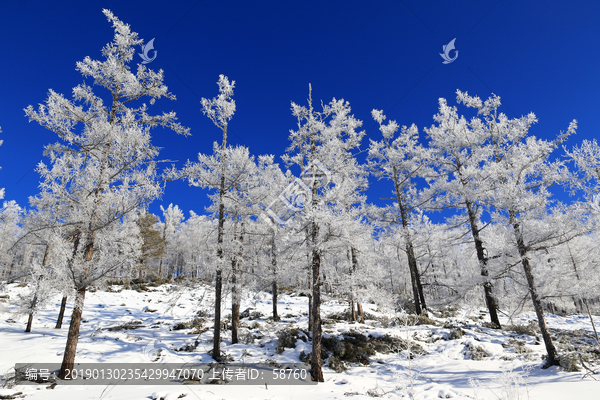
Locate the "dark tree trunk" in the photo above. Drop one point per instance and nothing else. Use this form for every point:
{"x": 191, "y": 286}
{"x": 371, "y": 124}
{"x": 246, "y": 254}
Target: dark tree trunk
{"x": 219, "y": 278}
{"x": 73, "y": 337}
{"x": 552, "y": 356}
{"x": 235, "y": 321}
{"x": 490, "y": 300}
{"x": 274, "y": 282}
{"x": 61, "y": 313}
{"x": 217, "y": 325}
{"x": 76, "y": 236}
{"x": 310, "y": 298}
{"x": 274, "y": 289}
{"x": 34, "y": 301}
{"x": 361, "y": 313}
{"x": 353, "y": 269}
{"x": 235, "y": 287}
{"x": 415, "y": 276}
{"x": 310, "y": 315}
{"x": 316, "y": 367}
{"x": 420, "y": 289}
{"x": 29, "y": 321}
{"x": 235, "y": 304}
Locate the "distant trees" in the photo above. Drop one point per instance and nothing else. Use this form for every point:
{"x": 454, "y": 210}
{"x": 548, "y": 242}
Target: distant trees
{"x": 10, "y": 231}
{"x": 104, "y": 166}
{"x": 153, "y": 243}
{"x": 173, "y": 217}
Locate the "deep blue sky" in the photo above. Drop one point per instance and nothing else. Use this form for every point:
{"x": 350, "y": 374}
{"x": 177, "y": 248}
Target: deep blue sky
{"x": 539, "y": 56}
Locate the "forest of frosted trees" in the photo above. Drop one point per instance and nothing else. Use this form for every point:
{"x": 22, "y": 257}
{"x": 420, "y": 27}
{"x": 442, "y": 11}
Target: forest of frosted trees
{"x": 472, "y": 215}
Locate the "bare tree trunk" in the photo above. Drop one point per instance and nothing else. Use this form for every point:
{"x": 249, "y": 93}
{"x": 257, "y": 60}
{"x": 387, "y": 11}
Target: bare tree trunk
{"x": 592, "y": 321}
{"x": 584, "y": 301}
{"x": 162, "y": 256}
{"x": 274, "y": 282}
{"x": 235, "y": 292}
{"x": 61, "y": 313}
{"x": 316, "y": 368}
{"x": 353, "y": 269}
{"x": 552, "y": 356}
{"x": 361, "y": 312}
{"x": 420, "y": 288}
{"x": 310, "y": 316}
{"x": 29, "y": 321}
{"x": 33, "y": 305}
{"x": 63, "y": 303}
{"x": 415, "y": 277}
{"x": 73, "y": 337}
{"x": 310, "y": 298}
{"x": 235, "y": 318}
{"x": 217, "y": 325}
{"x": 216, "y": 352}
{"x": 274, "y": 289}
{"x": 235, "y": 303}
{"x": 35, "y": 297}
{"x": 490, "y": 300}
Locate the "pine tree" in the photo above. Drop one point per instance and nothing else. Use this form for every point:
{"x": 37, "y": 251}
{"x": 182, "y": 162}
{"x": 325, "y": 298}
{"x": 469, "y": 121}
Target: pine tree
{"x": 104, "y": 166}
{"x": 220, "y": 110}
{"x": 322, "y": 147}
{"x": 153, "y": 243}
{"x": 402, "y": 159}
{"x": 516, "y": 176}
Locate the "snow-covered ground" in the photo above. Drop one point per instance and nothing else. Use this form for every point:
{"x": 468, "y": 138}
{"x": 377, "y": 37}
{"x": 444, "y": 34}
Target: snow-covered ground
{"x": 509, "y": 368}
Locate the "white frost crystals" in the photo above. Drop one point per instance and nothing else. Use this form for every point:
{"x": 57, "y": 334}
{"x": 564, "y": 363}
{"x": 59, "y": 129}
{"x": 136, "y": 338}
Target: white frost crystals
{"x": 595, "y": 203}
{"x": 102, "y": 168}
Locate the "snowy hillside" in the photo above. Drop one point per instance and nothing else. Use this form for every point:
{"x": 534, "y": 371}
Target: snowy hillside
{"x": 453, "y": 356}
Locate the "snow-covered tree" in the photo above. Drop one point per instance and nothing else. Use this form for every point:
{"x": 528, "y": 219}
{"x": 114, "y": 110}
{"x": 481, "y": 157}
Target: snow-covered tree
{"x": 173, "y": 217}
{"x": 220, "y": 110}
{"x": 586, "y": 177}
{"x": 401, "y": 159}
{"x": 459, "y": 149}
{"x": 11, "y": 215}
{"x": 520, "y": 173}
{"x": 323, "y": 147}
{"x": 153, "y": 243}
{"x": 104, "y": 166}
